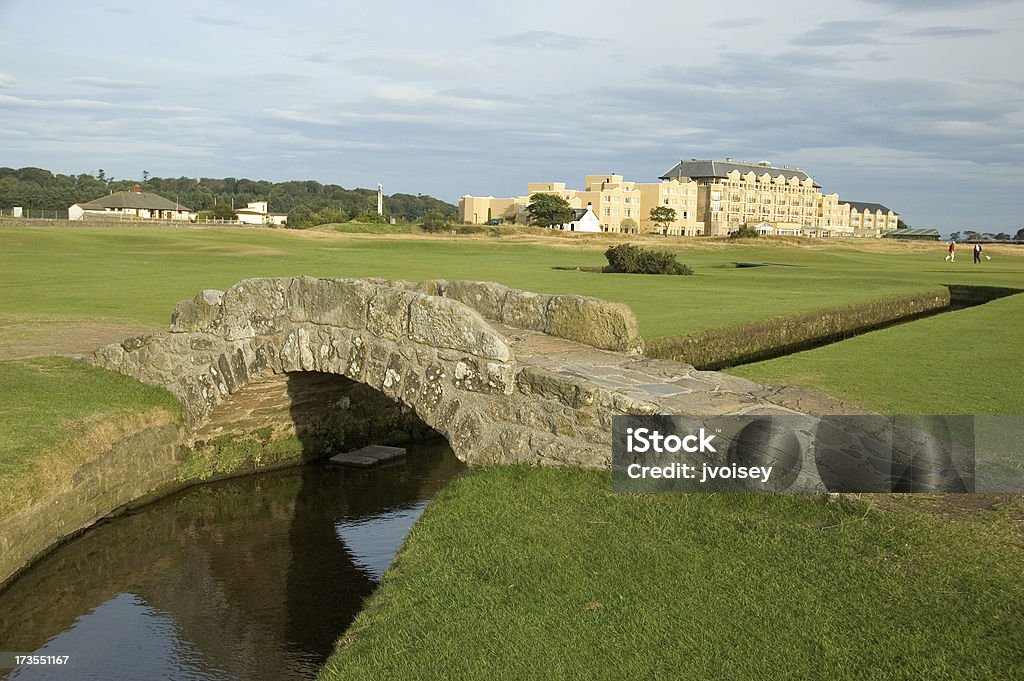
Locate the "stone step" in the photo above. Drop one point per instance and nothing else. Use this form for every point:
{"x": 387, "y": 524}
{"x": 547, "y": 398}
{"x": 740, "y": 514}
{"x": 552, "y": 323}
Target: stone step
{"x": 368, "y": 457}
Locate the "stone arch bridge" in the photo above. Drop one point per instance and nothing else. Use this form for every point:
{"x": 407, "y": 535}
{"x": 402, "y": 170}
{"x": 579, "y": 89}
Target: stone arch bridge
{"x": 507, "y": 376}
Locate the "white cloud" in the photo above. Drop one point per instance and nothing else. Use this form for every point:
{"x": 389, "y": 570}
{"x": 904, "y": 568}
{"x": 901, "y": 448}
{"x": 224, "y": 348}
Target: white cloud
{"x": 110, "y": 83}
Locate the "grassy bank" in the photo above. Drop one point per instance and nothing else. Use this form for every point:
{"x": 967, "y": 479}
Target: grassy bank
{"x": 52, "y": 408}
{"x": 527, "y": 573}
{"x": 965, "y": 362}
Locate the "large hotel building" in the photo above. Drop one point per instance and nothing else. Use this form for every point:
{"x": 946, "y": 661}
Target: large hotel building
{"x": 710, "y": 198}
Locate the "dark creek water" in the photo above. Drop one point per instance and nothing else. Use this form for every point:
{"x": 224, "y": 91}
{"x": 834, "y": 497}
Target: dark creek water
{"x": 251, "y": 578}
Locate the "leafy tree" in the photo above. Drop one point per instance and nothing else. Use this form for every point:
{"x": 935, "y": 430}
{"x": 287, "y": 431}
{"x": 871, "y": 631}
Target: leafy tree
{"x": 42, "y": 190}
{"x": 221, "y": 211}
{"x": 955, "y": 236}
{"x": 1002, "y": 236}
{"x": 548, "y": 210}
{"x": 1019, "y": 236}
{"x": 663, "y": 216}
{"x": 436, "y": 221}
{"x": 300, "y": 217}
{"x": 628, "y": 225}
{"x": 334, "y": 215}
{"x": 901, "y": 225}
{"x": 971, "y": 235}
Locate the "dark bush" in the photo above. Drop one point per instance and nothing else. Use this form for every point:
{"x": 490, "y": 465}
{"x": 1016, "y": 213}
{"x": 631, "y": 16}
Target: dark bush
{"x": 630, "y": 259}
{"x": 744, "y": 233}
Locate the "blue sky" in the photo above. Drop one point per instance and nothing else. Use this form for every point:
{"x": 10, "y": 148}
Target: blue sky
{"x": 918, "y": 105}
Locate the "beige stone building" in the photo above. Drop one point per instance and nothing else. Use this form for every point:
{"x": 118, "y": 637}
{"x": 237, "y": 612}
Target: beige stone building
{"x": 479, "y": 210}
{"x": 680, "y": 196}
{"x": 710, "y": 198}
{"x": 620, "y": 205}
{"x": 871, "y": 220}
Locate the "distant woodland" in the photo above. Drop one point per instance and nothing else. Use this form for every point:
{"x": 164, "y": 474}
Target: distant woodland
{"x": 306, "y": 202}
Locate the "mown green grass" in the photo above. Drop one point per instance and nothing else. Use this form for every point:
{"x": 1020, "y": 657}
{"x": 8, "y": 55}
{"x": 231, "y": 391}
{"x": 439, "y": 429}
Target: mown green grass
{"x": 48, "y": 399}
{"x": 524, "y": 573}
{"x": 138, "y": 273}
{"x": 964, "y": 362}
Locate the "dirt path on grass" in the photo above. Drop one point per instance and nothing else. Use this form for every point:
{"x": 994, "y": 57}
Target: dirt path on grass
{"x": 20, "y": 339}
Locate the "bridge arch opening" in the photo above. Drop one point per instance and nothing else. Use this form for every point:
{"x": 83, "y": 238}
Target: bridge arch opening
{"x": 306, "y": 416}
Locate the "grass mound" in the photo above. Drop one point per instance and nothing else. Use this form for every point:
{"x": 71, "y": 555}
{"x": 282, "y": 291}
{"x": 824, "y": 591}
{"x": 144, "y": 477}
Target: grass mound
{"x": 542, "y": 573}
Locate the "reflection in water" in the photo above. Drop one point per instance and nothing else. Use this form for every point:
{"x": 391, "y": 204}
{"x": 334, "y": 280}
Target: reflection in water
{"x": 251, "y": 578}
{"x": 371, "y": 550}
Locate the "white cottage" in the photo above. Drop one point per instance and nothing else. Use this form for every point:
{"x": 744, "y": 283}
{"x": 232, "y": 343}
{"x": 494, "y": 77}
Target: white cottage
{"x": 582, "y": 220}
{"x": 257, "y": 213}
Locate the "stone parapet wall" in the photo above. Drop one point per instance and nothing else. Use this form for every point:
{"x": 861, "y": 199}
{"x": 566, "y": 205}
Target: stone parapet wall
{"x": 591, "y": 321}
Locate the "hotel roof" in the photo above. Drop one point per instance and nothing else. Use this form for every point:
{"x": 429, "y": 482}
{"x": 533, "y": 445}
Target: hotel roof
{"x": 708, "y": 169}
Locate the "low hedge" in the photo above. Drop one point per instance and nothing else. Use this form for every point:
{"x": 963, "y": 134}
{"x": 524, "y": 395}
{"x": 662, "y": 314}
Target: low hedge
{"x": 719, "y": 348}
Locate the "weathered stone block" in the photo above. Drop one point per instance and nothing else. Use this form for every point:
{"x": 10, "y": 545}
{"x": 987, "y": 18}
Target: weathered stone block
{"x": 610, "y": 326}
{"x": 333, "y": 302}
{"x": 254, "y": 307}
{"x": 394, "y": 376}
{"x": 296, "y": 354}
{"x": 377, "y": 360}
{"x": 432, "y": 287}
{"x": 526, "y": 310}
{"x": 446, "y": 323}
{"x": 357, "y": 358}
{"x": 388, "y": 312}
{"x": 202, "y": 313}
{"x": 485, "y": 297}
{"x": 572, "y": 392}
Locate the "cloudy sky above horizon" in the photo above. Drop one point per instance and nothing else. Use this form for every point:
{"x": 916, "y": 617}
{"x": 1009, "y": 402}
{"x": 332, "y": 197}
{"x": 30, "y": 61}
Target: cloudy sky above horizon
{"x": 915, "y": 104}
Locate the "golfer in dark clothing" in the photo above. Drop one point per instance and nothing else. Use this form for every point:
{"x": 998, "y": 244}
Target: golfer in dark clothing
{"x": 977, "y": 253}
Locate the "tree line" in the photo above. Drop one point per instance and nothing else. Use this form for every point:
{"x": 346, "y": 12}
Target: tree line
{"x": 971, "y": 235}
{"x": 306, "y": 202}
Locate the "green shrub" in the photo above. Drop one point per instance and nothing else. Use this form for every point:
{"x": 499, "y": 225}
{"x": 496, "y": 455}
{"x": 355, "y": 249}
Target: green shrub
{"x": 436, "y": 221}
{"x": 744, "y": 233}
{"x": 630, "y": 259}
